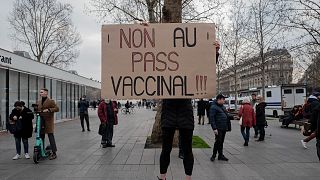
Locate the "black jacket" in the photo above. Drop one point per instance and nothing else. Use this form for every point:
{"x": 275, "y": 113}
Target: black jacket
{"x": 177, "y": 113}
{"x": 83, "y": 106}
{"x": 26, "y": 122}
{"x": 315, "y": 121}
{"x": 218, "y": 117}
{"x": 261, "y": 114}
{"x": 201, "y": 108}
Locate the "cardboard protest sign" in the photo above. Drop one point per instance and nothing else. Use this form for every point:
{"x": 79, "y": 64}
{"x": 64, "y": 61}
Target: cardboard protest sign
{"x": 158, "y": 61}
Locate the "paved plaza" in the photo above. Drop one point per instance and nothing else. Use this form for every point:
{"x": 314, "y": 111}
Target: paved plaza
{"x": 80, "y": 156}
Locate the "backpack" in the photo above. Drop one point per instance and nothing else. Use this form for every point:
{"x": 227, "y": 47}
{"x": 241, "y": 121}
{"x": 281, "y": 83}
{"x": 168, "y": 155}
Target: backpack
{"x": 306, "y": 110}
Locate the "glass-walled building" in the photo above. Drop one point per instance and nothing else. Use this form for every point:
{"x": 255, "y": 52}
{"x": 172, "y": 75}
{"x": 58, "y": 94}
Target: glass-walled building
{"x": 22, "y": 78}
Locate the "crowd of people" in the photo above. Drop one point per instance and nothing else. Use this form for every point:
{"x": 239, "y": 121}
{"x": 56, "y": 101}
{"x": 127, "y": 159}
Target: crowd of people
{"x": 176, "y": 114}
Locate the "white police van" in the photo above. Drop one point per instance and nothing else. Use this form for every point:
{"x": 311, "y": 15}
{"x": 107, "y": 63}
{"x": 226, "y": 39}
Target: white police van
{"x": 280, "y": 99}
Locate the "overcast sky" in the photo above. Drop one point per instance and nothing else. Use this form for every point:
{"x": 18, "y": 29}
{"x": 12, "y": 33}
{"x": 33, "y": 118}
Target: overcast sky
{"x": 88, "y": 62}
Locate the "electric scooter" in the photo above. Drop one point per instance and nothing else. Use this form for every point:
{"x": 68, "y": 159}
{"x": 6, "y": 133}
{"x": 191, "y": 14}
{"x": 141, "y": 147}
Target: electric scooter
{"x": 39, "y": 153}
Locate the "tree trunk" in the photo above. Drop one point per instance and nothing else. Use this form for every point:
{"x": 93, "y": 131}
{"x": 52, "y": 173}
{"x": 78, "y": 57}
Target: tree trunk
{"x": 151, "y": 5}
{"x": 171, "y": 14}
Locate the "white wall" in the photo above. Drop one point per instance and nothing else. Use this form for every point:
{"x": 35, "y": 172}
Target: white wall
{"x": 33, "y": 67}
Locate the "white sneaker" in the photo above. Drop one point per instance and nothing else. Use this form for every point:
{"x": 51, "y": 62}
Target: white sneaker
{"x": 27, "y": 156}
{"x": 304, "y": 144}
{"x": 17, "y": 156}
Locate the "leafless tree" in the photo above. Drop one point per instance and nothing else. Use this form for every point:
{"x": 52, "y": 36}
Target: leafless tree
{"x": 264, "y": 31}
{"x": 234, "y": 41}
{"x": 45, "y": 27}
{"x": 123, "y": 11}
{"x": 303, "y": 20}
{"x": 304, "y": 15}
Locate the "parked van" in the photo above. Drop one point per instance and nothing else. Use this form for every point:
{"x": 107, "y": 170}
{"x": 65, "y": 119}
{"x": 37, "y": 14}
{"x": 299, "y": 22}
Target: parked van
{"x": 280, "y": 99}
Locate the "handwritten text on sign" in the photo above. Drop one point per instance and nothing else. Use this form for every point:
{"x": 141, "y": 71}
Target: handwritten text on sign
{"x": 158, "y": 61}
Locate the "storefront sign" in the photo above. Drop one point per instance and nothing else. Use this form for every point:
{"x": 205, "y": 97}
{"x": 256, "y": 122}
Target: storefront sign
{"x": 5, "y": 60}
{"x": 158, "y": 61}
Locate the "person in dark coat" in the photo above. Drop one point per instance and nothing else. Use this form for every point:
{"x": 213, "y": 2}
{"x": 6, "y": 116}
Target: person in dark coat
{"x": 83, "y": 106}
{"x": 260, "y": 117}
{"x": 309, "y": 108}
{"x": 201, "y": 110}
{"x": 177, "y": 114}
{"x": 295, "y": 115}
{"x": 108, "y": 114}
{"x": 315, "y": 127}
{"x": 219, "y": 125}
{"x": 22, "y": 117}
{"x": 253, "y": 103}
{"x": 315, "y": 121}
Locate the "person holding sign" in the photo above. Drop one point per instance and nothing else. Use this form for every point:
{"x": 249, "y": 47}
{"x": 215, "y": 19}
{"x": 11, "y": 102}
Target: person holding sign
{"x": 177, "y": 114}
{"x": 159, "y": 61}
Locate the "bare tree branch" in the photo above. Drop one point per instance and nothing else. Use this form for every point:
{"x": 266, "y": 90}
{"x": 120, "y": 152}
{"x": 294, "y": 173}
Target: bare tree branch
{"x": 45, "y": 27}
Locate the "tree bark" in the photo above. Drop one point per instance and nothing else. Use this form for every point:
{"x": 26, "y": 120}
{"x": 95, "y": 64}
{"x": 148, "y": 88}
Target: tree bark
{"x": 172, "y": 13}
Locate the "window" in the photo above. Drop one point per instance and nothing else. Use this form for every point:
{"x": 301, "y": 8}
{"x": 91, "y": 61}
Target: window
{"x": 3, "y": 105}
{"x": 33, "y": 90}
{"x": 59, "y": 99}
{"x": 287, "y": 91}
{"x": 269, "y": 94}
{"x": 24, "y": 89}
{"x": 13, "y": 88}
{"x": 299, "y": 91}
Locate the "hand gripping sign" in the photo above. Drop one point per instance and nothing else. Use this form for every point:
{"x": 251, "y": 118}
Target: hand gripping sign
{"x": 158, "y": 61}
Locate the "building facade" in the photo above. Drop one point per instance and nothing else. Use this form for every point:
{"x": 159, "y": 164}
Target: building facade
{"x": 21, "y": 79}
{"x": 278, "y": 70}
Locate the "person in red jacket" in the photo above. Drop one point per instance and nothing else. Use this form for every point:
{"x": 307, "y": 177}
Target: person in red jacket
{"x": 107, "y": 112}
{"x": 248, "y": 116}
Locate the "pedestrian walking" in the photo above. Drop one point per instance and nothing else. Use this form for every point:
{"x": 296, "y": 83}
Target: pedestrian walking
{"x": 108, "y": 115}
{"x": 219, "y": 124}
{"x": 21, "y": 117}
{"x": 248, "y": 120}
{"x": 201, "y": 111}
{"x": 177, "y": 114}
{"x": 83, "y": 106}
{"x": 48, "y": 107}
{"x": 260, "y": 118}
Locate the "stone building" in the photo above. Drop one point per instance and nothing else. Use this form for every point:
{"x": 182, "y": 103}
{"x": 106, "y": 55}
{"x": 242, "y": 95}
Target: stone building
{"x": 278, "y": 70}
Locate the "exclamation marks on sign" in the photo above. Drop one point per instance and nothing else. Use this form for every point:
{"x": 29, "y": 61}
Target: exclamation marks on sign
{"x": 201, "y": 84}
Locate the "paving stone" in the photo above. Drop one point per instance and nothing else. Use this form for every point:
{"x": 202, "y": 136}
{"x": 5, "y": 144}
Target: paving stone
{"x": 80, "y": 156}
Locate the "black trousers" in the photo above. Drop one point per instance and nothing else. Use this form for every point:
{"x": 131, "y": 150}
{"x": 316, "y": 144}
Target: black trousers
{"x": 186, "y": 145}
{"x": 51, "y": 140}
{"x": 261, "y": 131}
{"x": 108, "y": 135}
{"x": 256, "y": 131}
{"x": 86, "y": 117}
{"x": 287, "y": 120}
{"x": 218, "y": 145}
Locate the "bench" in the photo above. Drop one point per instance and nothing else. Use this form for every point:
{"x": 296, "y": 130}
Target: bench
{"x": 295, "y": 122}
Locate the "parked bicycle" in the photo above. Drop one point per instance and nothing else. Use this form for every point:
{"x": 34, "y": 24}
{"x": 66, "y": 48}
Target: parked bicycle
{"x": 127, "y": 110}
